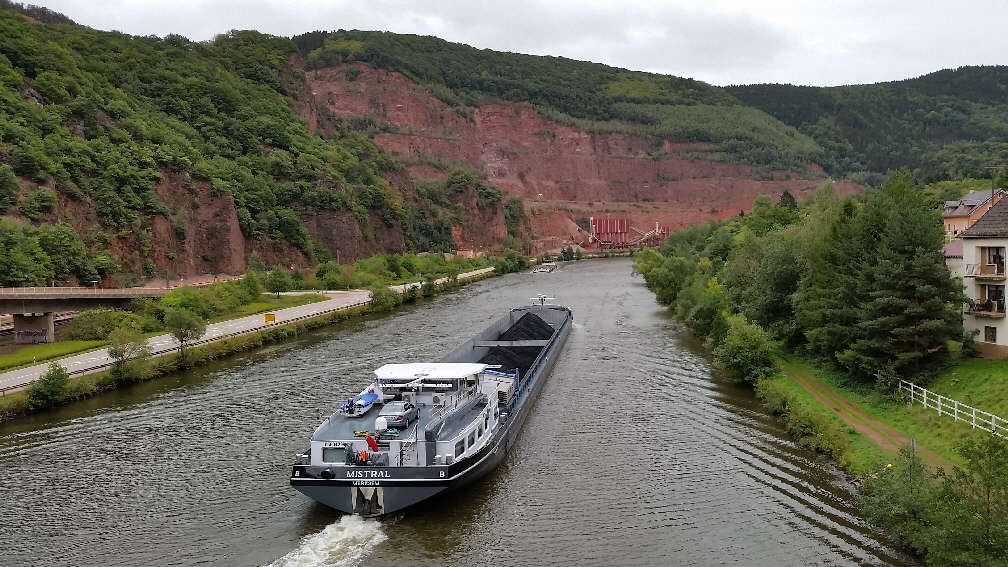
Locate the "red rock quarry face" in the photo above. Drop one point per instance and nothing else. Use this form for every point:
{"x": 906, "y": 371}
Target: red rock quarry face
{"x": 561, "y": 173}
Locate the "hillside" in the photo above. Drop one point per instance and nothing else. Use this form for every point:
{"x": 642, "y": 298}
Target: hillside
{"x": 573, "y": 139}
{"x": 167, "y": 156}
{"x": 944, "y": 125}
{"x": 587, "y": 96}
{"x": 141, "y": 156}
{"x": 563, "y": 174}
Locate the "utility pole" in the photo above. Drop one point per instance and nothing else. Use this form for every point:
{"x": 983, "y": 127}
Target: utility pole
{"x": 994, "y": 170}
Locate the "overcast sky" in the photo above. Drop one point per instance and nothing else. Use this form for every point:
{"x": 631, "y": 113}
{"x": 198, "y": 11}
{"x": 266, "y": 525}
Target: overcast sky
{"x": 808, "y": 42}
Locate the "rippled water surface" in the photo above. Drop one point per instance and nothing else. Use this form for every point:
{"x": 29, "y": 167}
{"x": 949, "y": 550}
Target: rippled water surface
{"x": 634, "y": 455}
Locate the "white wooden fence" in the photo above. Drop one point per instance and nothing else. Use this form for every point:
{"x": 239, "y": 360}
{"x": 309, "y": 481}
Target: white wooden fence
{"x": 961, "y": 412}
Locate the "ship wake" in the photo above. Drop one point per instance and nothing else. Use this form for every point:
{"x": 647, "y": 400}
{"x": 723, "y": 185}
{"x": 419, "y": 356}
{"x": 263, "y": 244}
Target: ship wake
{"x": 341, "y": 544}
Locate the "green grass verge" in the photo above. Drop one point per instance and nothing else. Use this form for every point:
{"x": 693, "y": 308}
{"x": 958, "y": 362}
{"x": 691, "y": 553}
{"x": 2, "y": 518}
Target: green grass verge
{"x": 940, "y": 434}
{"x": 976, "y": 382}
{"x": 35, "y": 354}
{"x": 271, "y": 304}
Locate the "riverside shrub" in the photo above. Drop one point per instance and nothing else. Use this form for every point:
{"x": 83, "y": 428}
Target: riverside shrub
{"x": 747, "y": 352}
{"x": 49, "y": 389}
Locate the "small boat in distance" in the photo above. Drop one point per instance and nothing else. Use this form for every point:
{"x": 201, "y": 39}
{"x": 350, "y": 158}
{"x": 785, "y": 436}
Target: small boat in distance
{"x": 469, "y": 408}
{"x": 545, "y": 267}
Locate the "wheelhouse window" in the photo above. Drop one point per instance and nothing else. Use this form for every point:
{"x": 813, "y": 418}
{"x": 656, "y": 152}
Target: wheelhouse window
{"x": 472, "y": 438}
{"x": 459, "y": 448}
{"x": 333, "y": 455}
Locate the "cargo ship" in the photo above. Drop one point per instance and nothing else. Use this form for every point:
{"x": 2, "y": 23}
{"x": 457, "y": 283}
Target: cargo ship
{"x": 422, "y": 429}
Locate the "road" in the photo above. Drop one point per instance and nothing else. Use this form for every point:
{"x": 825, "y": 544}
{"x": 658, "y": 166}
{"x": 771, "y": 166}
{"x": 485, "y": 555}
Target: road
{"x": 97, "y": 360}
{"x": 163, "y": 344}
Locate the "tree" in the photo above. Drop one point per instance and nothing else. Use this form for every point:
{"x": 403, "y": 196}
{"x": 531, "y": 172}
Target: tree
{"x": 8, "y": 188}
{"x": 129, "y": 352}
{"x": 188, "y": 298}
{"x": 766, "y": 216}
{"x": 255, "y": 263}
{"x": 955, "y": 519}
{"x": 187, "y": 327}
{"x": 908, "y": 304}
{"x": 762, "y": 275}
{"x": 382, "y": 298}
{"x": 667, "y": 279}
{"x": 49, "y": 389}
{"x": 788, "y": 201}
{"x": 902, "y": 498}
{"x": 250, "y": 283}
{"x": 747, "y": 352}
{"x": 278, "y": 281}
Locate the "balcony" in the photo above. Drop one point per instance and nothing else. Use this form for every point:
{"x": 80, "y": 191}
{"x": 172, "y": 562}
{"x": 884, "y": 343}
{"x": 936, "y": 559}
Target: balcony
{"x": 991, "y": 309}
{"x": 986, "y": 272}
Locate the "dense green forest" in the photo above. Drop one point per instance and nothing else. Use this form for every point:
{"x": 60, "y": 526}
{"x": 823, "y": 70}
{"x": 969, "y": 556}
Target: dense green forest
{"x": 590, "y": 96}
{"x": 944, "y": 125}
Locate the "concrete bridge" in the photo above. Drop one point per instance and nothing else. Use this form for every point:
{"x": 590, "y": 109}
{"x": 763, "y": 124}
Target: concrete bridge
{"x": 33, "y": 307}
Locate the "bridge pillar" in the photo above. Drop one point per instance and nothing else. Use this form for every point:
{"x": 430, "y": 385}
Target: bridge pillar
{"x": 34, "y": 328}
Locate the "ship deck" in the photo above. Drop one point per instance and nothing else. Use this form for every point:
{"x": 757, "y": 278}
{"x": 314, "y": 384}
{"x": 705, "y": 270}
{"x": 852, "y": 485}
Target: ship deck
{"x": 340, "y": 427}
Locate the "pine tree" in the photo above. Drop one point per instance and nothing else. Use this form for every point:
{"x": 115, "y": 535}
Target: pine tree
{"x": 908, "y": 301}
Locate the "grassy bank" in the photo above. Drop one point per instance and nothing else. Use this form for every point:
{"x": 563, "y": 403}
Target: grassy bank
{"x": 976, "y": 382}
{"x": 34, "y": 354}
{"x": 939, "y": 434}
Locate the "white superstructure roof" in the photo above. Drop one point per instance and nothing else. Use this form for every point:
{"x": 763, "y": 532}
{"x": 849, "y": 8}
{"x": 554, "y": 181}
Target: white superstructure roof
{"x": 431, "y": 370}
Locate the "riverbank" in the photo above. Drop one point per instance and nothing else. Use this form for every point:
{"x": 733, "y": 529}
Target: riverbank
{"x": 889, "y": 422}
{"x": 219, "y": 343}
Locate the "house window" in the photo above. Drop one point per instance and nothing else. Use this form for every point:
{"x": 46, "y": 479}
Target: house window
{"x": 996, "y": 258}
{"x": 990, "y": 334}
{"x": 996, "y": 295}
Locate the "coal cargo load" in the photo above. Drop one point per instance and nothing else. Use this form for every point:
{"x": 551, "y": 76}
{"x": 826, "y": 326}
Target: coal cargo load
{"x": 528, "y": 328}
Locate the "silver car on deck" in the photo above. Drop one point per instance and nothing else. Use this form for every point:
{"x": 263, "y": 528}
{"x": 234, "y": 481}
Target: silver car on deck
{"x": 399, "y": 414}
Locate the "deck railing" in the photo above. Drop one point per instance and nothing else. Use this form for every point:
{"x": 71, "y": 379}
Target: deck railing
{"x": 979, "y": 419}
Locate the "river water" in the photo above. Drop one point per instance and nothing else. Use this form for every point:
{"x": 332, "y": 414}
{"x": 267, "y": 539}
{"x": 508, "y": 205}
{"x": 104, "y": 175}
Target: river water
{"x": 635, "y": 454}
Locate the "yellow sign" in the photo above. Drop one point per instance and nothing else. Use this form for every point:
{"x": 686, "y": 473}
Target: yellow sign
{"x": 270, "y": 318}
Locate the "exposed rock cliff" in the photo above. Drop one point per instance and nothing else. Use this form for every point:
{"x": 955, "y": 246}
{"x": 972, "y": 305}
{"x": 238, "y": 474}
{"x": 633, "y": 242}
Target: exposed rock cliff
{"x": 561, "y": 173}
